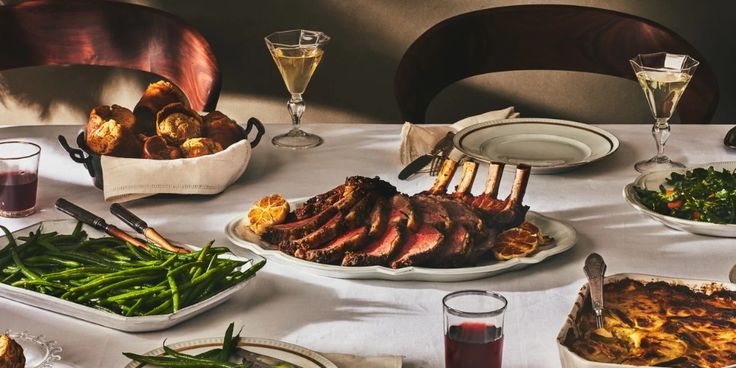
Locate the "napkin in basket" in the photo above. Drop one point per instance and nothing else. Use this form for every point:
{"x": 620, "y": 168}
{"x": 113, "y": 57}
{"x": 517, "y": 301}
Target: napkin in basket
{"x": 418, "y": 140}
{"x": 127, "y": 179}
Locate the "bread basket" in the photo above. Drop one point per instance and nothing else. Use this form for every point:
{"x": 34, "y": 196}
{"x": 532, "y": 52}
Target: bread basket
{"x": 93, "y": 162}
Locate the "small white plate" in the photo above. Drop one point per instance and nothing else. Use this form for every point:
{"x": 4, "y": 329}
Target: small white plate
{"x": 653, "y": 180}
{"x": 39, "y": 352}
{"x": 547, "y": 145}
{"x": 291, "y": 353}
{"x": 564, "y": 235}
{"x": 107, "y": 319}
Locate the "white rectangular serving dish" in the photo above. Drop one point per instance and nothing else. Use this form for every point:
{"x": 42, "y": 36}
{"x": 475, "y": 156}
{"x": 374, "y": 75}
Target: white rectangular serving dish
{"x": 107, "y": 319}
{"x": 569, "y": 359}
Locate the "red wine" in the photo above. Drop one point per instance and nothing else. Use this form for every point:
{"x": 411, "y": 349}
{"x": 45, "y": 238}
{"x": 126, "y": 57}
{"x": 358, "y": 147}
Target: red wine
{"x": 17, "y": 191}
{"x": 473, "y": 345}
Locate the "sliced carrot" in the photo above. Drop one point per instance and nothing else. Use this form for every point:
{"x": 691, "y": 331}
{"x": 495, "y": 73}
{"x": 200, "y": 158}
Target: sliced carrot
{"x": 675, "y": 204}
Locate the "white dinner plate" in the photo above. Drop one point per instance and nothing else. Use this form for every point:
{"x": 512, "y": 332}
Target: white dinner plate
{"x": 565, "y": 237}
{"x": 653, "y": 180}
{"x": 108, "y": 319}
{"x": 547, "y": 145}
{"x": 290, "y": 353}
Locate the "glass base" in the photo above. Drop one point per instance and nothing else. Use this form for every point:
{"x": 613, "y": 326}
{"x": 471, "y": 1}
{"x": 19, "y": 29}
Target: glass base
{"x": 21, "y": 213}
{"x": 297, "y": 139}
{"x": 657, "y": 163}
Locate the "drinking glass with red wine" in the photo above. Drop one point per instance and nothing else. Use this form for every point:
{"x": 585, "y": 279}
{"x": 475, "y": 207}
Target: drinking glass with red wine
{"x": 18, "y": 178}
{"x": 473, "y": 321}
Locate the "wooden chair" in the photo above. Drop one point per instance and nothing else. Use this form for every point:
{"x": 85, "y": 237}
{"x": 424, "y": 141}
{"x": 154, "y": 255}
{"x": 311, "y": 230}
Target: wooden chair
{"x": 541, "y": 37}
{"x": 106, "y": 33}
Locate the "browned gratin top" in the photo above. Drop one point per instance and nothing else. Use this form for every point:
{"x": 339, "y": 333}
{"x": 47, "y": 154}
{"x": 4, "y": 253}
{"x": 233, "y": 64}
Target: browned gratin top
{"x": 659, "y": 324}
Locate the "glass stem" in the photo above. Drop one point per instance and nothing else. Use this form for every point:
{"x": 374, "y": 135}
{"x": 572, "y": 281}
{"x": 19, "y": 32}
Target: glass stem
{"x": 296, "y": 109}
{"x": 661, "y": 132}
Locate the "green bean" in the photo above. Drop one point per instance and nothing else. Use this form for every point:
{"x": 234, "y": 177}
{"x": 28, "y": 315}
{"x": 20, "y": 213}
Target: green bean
{"x": 174, "y": 293}
{"x": 117, "y": 285}
{"x": 75, "y": 272}
{"x": 24, "y": 283}
{"x": 135, "y": 294}
{"x": 134, "y": 309}
{"x": 46, "y": 244}
{"x": 25, "y": 270}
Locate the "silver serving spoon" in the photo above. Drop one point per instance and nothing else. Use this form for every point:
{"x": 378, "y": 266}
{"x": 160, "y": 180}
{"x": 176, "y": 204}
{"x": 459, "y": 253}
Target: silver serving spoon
{"x": 730, "y": 139}
{"x": 594, "y": 269}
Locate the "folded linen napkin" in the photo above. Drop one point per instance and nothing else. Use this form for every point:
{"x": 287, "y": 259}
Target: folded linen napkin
{"x": 127, "y": 179}
{"x": 418, "y": 140}
{"x": 354, "y": 361}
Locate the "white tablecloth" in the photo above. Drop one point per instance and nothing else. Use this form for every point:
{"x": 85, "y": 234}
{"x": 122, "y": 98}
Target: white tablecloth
{"x": 382, "y": 317}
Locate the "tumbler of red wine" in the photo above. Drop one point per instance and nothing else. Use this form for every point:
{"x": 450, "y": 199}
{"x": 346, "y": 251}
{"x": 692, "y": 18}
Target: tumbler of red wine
{"x": 18, "y": 178}
{"x": 473, "y": 329}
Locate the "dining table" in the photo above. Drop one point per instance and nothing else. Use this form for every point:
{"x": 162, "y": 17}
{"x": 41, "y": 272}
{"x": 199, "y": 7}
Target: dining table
{"x": 381, "y": 317}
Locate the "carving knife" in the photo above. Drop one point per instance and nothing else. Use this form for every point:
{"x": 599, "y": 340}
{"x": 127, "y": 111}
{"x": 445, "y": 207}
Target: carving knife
{"x": 594, "y": 269}
{"x": 142, "y": 227}
{"x": 96, "y": 222}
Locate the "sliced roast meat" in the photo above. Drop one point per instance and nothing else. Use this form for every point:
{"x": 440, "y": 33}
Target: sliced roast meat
{"x": 360, "y": 211}
{"x": 378, "y": 217}
{"x": 379, "y": 251}
{"x": 432, "y": 212}
{"x": 418, "y": 247}
{"x": 462, "y": 213}
{"x": 402, "y": 212}
{"x": 319, "y": 202}
{"x": 334, "y": 251}
{"x": 277, "y": 234}
{"x": 330, "y": 230}
{"x": 454, "y": 251}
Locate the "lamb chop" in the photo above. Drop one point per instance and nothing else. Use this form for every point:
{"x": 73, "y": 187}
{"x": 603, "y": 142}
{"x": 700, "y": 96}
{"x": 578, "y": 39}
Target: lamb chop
{"x": 509, "y": 212}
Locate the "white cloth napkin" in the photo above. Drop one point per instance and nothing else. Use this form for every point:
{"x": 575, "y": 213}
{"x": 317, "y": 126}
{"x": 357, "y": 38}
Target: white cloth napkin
{"x": 417, "y": 140}
{"x": 354, "y": 361}
{"x": 127, "y": 179}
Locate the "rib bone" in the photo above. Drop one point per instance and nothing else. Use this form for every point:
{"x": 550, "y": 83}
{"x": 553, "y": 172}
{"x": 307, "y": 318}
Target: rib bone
{"x": 444, "y": 177}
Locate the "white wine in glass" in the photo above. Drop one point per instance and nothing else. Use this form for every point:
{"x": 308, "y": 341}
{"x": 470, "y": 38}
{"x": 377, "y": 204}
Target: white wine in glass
{"x": 297, "y": 53}
{"x": 663, "y": 78}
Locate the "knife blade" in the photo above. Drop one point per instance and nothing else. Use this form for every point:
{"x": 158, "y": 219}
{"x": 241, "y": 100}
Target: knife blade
{"x": 414, "y": 166}
{"x": 96, "y": 222}
{"x": 594, "y": 269}
{"x": 263, "y": 361}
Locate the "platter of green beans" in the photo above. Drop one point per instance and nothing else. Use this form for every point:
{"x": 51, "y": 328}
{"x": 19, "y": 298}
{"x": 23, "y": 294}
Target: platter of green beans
{"x": 69, "y": 268}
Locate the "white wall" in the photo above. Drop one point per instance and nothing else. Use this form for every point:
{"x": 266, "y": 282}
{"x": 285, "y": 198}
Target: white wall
{"x": 355, "y": 81}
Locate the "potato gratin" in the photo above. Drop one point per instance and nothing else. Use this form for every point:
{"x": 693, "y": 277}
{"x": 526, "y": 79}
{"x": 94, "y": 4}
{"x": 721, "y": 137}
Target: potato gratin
{"x": 658, "y": 324}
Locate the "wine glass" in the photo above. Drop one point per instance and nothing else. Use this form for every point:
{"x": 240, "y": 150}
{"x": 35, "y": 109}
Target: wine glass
{"x": 663, "y": 77}
{"x": 297, "y": 53}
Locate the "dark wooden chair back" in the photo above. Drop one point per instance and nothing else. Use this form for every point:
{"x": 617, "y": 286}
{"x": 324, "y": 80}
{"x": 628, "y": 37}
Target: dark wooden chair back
{"x": 541, "y": 37}
{"x": 106, "y": 33}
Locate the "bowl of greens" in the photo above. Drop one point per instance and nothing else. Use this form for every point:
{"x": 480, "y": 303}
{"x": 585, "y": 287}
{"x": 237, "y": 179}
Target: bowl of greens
{"x": 699, "y": 199}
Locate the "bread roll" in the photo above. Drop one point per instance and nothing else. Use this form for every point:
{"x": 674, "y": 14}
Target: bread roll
{"x": 101, "y": 114}
{"x": 196, "y": 147}
{"x": 221, "y": 129}
{"x": 114, "y": 139}
{"x": 176, "y": 123}
{"x": 11, "y": 354}
{"x": 155, "y": 97}
{"x": 156, "y": 148}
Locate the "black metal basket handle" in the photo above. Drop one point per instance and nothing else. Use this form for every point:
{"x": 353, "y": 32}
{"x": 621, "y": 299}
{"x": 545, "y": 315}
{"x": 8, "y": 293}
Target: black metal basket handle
{"x": 77, "y": 155}
{"x": 260, "y": 130}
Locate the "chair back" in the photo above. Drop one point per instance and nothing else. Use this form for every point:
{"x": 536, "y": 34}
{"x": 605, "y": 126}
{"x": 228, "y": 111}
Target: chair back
{"x": 114, "y": 34}
{"x": 542, "y": 37}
